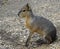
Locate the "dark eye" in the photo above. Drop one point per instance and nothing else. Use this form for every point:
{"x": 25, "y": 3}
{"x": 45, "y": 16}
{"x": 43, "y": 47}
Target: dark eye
{"x": 23, "y": 10}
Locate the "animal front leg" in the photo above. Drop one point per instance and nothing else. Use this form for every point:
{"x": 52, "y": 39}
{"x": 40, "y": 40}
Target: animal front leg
{"x": 28, "y": 40}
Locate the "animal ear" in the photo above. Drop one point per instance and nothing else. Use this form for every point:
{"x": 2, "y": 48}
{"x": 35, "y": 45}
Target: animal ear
{"x": 28, "y": 7}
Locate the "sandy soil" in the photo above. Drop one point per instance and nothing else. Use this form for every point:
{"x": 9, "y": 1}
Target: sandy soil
{"x": 14, "y": 34}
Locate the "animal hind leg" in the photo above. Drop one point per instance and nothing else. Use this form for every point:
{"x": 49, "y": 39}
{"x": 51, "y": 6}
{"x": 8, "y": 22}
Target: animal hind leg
{"x": 46, "y": 40}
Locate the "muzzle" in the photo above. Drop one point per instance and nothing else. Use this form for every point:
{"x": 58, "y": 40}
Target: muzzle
{"x": 19, "y": 13}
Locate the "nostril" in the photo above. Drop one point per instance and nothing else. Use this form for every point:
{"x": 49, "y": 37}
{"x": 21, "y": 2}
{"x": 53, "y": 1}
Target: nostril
{"x": 19, "y": 13}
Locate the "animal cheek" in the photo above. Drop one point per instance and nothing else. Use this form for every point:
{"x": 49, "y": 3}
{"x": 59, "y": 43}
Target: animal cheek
{"x": 21, "y": 14}
{"x": 24, "y": 14}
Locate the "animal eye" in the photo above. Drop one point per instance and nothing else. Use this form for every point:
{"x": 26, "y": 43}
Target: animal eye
{"x": 23, "y": 10}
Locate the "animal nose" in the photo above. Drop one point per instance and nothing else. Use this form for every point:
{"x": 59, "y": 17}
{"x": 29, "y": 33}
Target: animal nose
{"x": 19, "y": 13}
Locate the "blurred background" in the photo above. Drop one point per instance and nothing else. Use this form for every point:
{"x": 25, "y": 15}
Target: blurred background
{"x": 13, "y": 33}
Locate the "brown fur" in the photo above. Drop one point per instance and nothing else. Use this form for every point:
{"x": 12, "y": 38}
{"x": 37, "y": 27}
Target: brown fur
{"x": 38, "y": 24}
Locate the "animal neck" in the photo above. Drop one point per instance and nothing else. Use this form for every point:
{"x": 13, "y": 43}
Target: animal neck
{"x": 29, "y": 18}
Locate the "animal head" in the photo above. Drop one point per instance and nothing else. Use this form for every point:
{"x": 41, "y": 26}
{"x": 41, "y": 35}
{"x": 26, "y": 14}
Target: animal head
{"x": 25, "y": 10}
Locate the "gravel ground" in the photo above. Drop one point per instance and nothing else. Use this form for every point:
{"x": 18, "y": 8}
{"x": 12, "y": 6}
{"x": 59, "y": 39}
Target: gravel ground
{"x": 13, "y": 33}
